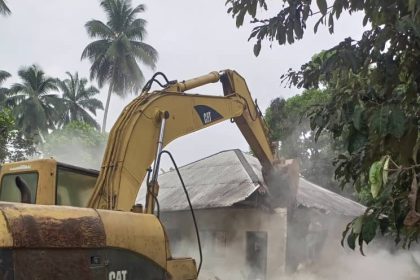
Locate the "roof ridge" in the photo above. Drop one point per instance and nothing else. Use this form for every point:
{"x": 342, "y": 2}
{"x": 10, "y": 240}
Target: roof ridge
{"x": 331, "y": 192}
{"x": 248, "y": 168}
{"x": 209, "y": 156}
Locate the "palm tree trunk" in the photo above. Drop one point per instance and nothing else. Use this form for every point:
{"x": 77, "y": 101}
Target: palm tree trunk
{"x": 106, "y": 107}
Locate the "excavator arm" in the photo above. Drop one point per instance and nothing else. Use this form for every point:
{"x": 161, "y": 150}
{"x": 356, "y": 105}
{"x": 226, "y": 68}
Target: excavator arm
{"x": 154, "y": 119}
{"x": 60, "y": 242}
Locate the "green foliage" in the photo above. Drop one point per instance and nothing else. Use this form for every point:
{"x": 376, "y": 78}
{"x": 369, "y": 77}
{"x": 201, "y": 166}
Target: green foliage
{"x": 119, "y": 49}
{"x": 283, "y": 116}
{"x": 13, "y": 145}
{"x": 288, "y": 121}
{"x": 374, "y": 105}
{"x": 79, "y": 100}
{"x": 3, "y": 76}
{"x": 76, "y": 143}
{"x": 4, "y": 10}
{"x": 35, "y": 111}
{"x": 378, "y": 175}
{"x": 35, "y": 108}
{"x": 6, "y": 125}
{"x": 3, "y": 91}
{"x": 361, "y": 229}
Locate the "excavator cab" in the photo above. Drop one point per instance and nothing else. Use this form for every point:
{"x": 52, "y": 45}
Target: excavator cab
{"x": 47, "y": 182}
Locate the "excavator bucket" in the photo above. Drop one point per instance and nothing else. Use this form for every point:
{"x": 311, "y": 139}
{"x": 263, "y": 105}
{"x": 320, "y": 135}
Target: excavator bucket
{"x": 282, "y": 181}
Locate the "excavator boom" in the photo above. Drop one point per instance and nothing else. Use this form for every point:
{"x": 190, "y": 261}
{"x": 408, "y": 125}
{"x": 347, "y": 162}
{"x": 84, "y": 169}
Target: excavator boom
{"x": 134, "y": 139}
{"x": 95, "y": 242}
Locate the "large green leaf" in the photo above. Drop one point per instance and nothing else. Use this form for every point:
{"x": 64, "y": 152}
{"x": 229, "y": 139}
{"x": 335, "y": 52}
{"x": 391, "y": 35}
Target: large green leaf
{"x": 257, "y": 48}
{"x": 369, "y": 229}
{"x": 322, "y": 5}
{"x": 357, "y": 225}
{"x": 351, "y": 240}
{"x": 240, "y": 18}
{"x": 375, "y": 177}
{"x": 385, "y": 170}
{"x": 252, "y": 9}
{"x": 396, "y": 123}
{"x": 357, "y": 117}
{"x": 356, "y": 140}
{"x": 379, "y": 120}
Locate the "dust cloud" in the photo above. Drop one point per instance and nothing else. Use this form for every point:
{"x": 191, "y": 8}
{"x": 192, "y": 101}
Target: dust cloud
{"x": 351, "y": 265}
{"x": 319, "y": 255}
{"x": 332, "y": 261}
{"x": 313, "y": 253}
{"x": 325, "y": 259}
{"x": 76, "y": 151}
{"x": 303, "y": 243}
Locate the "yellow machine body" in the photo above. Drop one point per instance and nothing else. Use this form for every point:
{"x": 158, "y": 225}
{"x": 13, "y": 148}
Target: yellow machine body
{"x": 105, "y": 237}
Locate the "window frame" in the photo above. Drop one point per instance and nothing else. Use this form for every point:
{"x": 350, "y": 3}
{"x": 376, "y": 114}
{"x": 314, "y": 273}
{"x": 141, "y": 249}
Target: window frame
{"x": 34, "y": 171}
{"x": 75, "y": 169}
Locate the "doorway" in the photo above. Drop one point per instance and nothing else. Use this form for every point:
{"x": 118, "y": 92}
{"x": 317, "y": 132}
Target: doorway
{"x": 256, "y": 255}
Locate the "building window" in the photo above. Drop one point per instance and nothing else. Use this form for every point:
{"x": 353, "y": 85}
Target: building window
{"x": 256, "y": 254}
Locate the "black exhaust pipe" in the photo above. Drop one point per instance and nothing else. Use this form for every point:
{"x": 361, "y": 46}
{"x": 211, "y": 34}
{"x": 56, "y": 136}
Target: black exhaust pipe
{"x": 25, "y": 193}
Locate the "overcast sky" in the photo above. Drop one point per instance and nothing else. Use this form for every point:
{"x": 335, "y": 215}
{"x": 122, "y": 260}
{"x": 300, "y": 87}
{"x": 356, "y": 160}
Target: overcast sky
{"x": 193, "y": 37}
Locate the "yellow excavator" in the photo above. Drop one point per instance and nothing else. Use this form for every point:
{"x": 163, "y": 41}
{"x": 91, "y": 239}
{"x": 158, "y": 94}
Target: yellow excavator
{"x": 60, "y": 221}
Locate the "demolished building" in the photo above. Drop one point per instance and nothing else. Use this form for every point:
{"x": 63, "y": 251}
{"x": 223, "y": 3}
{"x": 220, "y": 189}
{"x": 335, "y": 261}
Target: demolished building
{"x": 241, "y": 232}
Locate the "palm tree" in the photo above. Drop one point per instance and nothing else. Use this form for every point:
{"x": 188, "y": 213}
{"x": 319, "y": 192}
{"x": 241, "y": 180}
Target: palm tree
{"x": 4, "y": 10}
{"x": 79, "y": 99}
{"x": 3, "y": 76}
{"x": 118, "y": 49}
{"x": 3, "y": 91}
{"x": 35, "y": 108}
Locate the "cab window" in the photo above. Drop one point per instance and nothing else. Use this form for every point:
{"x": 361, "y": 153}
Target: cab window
{"x": 74, "y": 187}
{"x": 10, "y": 191}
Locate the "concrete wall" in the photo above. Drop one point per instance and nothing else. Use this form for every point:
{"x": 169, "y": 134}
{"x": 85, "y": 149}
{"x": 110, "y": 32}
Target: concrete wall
{"x": 224, "y": 239}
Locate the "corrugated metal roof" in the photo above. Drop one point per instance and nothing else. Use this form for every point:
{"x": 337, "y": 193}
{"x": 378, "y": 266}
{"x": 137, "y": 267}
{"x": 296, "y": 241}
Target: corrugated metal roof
{"x": 231, "y": 176}
{"x": 220, "y": 180}
{"x": 313, "y": 196}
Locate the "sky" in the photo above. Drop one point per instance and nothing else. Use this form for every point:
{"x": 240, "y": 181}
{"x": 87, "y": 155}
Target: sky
{"x": 193, "y": 37}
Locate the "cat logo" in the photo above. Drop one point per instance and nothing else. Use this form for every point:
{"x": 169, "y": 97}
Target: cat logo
{"x": 117, "y": 275}
{"x": 207, "y": 117}
{"x": 207, "y": 114}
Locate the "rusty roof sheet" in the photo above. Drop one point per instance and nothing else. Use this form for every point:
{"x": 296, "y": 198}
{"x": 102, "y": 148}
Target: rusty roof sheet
{"x": 231, "y": 176}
